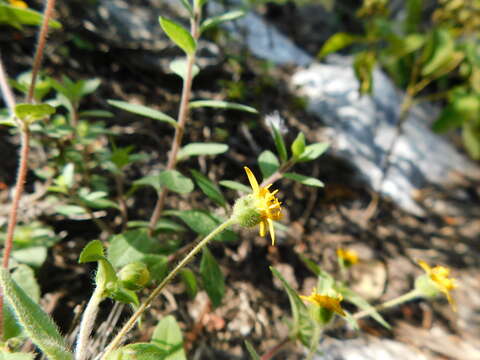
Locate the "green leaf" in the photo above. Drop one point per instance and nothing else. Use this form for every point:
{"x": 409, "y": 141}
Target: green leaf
{"x": 149, "y": 180}
{"x": 130, "y": 246}
{"x": 301, "y": 318}
{"x": 196, "y": 149}
{"x": 208, "y": 188}
{"x": 176, "y": 182}
{"x": 251, "y": 351}
{"x": 203, "y": 223}
{"x": 305, "y": 180}
{"x": 358, "y": 301}
{"x": 337, "y": 42}
{"x": 24, "y": 276}
{"x": 438, "y": 52}
{"x": 471, "y": 140}
{"x": 70, "y": 210}
{"x": 268, "y": 163}
{"x": 221, "y": 105}
{"x": 212, "y": 277}
{"x": 186, "y": 4}
{"x": 279, "y": 143}
{"x": 39, "y": 326}
{"x": 414, "y": 15}
{"x": 162, "y": 225}
{"x": 179, "y": 67}
{"x": 216, "y": 20}
{"x": 188, "y": 278}
{"x": 30, "y": 113}
{"x": 168, "y": 337}
{"x": 235, "y": 185}
{"x": 93, "y": 251}
{"x": 16, "y": 356}
{"x": 143, "y": 111}
{"x": 33, "y": 256}
{"x": 298, "y": 146}
{"x": 124, "y": 296}
{"x": 95, "y": 114}
{"x": 138, "y": 351}
{"x": 15, "y": 16}
{"x": 313, "y": 151}
{"x": 363, "y": 66}
{"x": 157, "y": 266}
{"x": 178, "y": 35}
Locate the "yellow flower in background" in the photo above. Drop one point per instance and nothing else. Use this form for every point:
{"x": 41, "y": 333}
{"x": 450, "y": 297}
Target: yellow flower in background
{"x": 18, "y": 3}
{"x": 266, "y": 204}
{"x": 350, "y": 257}
{"x": 331, "y": 303}
{"x": 439, "y": 275}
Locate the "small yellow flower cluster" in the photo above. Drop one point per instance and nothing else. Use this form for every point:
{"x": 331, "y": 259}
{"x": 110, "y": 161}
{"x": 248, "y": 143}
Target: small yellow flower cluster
{"x": 18, "y": 3}
{"x": 331, "y": 303}
{"x": 439, "y": 275}
{"x": 266, "y": 204}
{"x": 350, "y": 257}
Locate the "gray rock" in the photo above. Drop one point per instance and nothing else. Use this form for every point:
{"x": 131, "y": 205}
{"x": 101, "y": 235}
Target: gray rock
{"x": 365, "y": 127}
{"x": 367, "y": 349}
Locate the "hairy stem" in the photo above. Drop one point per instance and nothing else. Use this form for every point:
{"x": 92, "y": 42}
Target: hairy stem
{"x": 181, "y": 120}
{"x": 42, "y": 40}
{"x": 189, "y": 257}
{"x": 86, "y": 325}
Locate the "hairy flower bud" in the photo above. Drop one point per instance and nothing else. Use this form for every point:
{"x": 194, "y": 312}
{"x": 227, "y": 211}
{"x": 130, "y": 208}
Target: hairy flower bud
{"x": 246, "y": 213}
{"x": 134, "y": 276}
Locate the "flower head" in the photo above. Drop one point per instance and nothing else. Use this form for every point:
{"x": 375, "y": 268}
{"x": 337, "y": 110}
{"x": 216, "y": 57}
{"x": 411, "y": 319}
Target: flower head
{"x": 18, "y": 3}
{"x": 331, "y": 303}
{"x": 348, "y": 256}
{"x": 439, "y": 276}
{"x": 266, "y": 204}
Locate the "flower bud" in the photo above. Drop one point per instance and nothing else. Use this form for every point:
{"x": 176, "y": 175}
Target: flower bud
{"x": 245, "y": 211}
{"x": 134, "y": 276}
{"x": 426, "y": 286}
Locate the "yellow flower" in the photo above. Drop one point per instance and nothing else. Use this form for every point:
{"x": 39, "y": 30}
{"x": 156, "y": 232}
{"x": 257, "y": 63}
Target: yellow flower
{"x": 266, "y": 204}
{"x": 329, "y": 302}
{"x": 440, "y": 277}
{"x": 18, "y": 3}
{"x": 350, "y": 257}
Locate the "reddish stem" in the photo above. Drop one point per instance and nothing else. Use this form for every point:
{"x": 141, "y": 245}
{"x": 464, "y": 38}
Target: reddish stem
{"x": 42, "y": 40}
{"x": 182, "y": 119}
{"x": 274, "y": 350}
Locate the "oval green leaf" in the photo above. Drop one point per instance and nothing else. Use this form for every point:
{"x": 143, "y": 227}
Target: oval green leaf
{"x": 212, "y": 277}
{"x": 143, "y": 111}
{"x": 178, "y": 35}
{"x": 221, "y": 105}
{"x": 175, "y": 181}
{"x": 305, "y": 180}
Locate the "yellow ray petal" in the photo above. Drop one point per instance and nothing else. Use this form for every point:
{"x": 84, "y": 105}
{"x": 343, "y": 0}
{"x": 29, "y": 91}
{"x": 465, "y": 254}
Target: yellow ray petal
{"x": 272, "y": 231}
{"x": 251, "y": 179}
{"x": 262, "y": 228}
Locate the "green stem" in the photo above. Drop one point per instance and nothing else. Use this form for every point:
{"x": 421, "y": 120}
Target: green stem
{"x": 131, "y": 322}
{"x": 390, "y": 303}
{"x": 86, "y": 325}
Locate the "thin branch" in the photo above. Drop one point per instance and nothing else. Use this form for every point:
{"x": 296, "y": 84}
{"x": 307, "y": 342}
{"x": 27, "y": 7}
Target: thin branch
{"x": 42, "y": 40}
{"x": 182, "y": 119}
